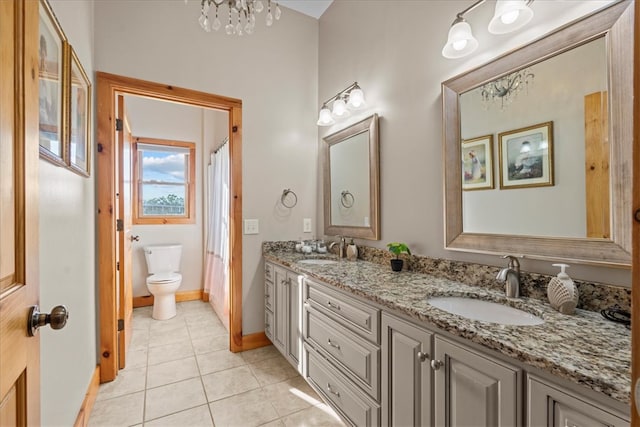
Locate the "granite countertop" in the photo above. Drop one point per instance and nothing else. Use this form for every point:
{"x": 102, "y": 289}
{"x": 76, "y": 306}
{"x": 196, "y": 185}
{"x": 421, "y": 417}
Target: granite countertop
{"x": 583, "y": 348}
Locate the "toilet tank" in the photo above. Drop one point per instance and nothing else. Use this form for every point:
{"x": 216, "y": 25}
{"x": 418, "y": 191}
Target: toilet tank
{"x": 163, "y": 258}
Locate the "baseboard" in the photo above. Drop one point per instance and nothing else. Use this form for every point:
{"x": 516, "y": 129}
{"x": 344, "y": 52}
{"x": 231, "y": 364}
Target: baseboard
{"x": 257, "y": 340}
{"x": 147, "y": 300}
{"x": 205, "y": 296}
{"x": 82, "y": 420}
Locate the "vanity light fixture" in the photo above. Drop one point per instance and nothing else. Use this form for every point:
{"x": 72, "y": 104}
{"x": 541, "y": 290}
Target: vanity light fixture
{"x": 510, "y": 15}
{"x": 241, "y": 14}
{"x": 351, "y": 98}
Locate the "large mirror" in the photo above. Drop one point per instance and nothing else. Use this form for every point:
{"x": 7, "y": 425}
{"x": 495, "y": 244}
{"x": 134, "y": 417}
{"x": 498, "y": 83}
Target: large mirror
{"x": 351, "y": 181}
{"x": 538, "y": 147}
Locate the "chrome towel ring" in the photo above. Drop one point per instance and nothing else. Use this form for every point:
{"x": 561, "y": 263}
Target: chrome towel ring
{"x": 346, "y": 199}
{"x": 288, "y": 202}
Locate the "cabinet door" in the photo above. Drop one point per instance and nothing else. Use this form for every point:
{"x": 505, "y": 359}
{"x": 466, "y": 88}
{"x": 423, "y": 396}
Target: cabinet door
{"x": 406, "y": 375}
{"x": 294, "y": 317}
{"x": 280, "y": 308}
{"x": 551, "y": 406}
{"x": 473, "y": 390}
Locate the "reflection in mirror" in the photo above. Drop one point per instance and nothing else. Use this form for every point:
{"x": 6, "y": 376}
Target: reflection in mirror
{"x": 545, "y": 168}
{"x": 558, "y": 184}
{"x": 351, "y": 181}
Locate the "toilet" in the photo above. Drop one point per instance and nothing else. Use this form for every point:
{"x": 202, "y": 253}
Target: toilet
{"x": 163, "y": 263}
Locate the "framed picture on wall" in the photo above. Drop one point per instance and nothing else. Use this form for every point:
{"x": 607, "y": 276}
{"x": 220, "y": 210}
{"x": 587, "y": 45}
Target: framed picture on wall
{"x": 79, "y": 148}
{"x": 526, "y": 157}
{"x": 52, "y": 52}
{"x": 477, "y": 163}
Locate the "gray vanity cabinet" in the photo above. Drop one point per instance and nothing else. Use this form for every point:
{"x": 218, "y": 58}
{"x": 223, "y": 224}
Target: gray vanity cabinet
{"x": 472, "y": 389}
{"x": 283, "y": 296}
{"x": 406, "y": 374}
{"x": 552, "y": 406}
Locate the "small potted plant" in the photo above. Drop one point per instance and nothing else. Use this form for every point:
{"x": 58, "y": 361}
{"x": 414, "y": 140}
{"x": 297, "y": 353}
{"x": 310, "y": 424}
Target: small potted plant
{"x": 397, "y": 249}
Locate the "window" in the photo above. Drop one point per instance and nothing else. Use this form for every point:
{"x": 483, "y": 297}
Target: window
{"x": 164, "y": 181}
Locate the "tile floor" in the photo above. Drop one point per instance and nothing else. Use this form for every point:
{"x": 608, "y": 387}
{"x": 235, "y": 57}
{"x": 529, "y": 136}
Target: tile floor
{"x": 180, "y": 373}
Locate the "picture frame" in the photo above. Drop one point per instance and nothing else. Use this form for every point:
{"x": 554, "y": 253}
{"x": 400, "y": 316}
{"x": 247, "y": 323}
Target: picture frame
{"x": 526, "y": 157}
{"x": 52, "y": 57}
{"x": 477, "y": 163}
{"x": 79, "y": 147}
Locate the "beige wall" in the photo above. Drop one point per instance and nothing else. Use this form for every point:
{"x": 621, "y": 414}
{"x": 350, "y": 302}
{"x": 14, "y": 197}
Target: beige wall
{"x": 274, "y": 72}
{"x": 67, "y": 258}
{"x": 393, "y": 49}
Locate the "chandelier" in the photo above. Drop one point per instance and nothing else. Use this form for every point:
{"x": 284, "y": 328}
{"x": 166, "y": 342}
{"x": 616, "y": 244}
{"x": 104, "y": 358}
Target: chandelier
{"x": 506, "y": 88}
{"x": 241, "y": 15}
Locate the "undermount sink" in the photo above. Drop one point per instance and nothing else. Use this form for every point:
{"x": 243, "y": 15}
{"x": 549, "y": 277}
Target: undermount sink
{"x": 485, "y": 311}
{"x": 317, "y": 261}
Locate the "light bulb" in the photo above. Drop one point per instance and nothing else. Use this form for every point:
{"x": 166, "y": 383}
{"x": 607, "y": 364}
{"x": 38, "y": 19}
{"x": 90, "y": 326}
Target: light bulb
{"x": 460, "y": 44}
{"x": 510, "y": 17}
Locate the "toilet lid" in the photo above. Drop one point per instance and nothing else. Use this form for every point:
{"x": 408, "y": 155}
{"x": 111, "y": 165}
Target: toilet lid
{"x": 164, "y": 277}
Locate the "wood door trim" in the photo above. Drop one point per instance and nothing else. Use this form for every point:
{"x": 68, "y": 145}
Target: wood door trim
{"x": 82, "y": 420}
{"x": 108, "y": 85}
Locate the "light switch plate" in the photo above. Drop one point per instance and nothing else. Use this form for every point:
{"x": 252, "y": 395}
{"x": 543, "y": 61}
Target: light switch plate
{"x": 306, "y": 225}
{"x": 251, "y": 226}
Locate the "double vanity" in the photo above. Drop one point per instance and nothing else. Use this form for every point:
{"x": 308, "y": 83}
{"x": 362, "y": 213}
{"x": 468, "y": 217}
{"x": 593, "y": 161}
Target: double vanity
{"x": 403, "y": 349}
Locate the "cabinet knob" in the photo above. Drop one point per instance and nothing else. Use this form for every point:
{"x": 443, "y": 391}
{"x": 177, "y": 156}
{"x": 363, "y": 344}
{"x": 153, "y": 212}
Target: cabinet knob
{"x": 436, "y": 364}
{"x": 423, "y": 356}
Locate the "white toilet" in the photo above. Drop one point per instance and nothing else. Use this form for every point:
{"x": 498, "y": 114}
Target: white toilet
{"x": 163, "y": 263}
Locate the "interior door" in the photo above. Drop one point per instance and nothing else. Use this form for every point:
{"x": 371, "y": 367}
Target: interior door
{"x": 19, "y": 353}
{"x": 125, "y": 238}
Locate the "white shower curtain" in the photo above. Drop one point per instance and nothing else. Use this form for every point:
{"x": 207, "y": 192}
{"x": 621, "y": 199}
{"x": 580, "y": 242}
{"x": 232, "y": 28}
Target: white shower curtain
{"x": 216, "y": 279}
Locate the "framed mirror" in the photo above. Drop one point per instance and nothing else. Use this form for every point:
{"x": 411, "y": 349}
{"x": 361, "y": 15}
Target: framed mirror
{"x": 543, "y": 137}
{"x": 351, "y": 181}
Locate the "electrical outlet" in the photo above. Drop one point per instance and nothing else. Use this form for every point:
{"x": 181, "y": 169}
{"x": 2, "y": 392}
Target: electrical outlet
{"x": 306, "y": 225}
{"x": 251, "y": 226}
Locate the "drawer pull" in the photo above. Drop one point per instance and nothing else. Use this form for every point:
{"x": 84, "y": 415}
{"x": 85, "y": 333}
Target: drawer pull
{"x": 333, "y": 305}
{"x": 332, "y": 391}
{"x": 284, "y": 282}
{"x": 333, "y": 344}
{"x": 267, "y": 296}
{"x": 423, "y": 356}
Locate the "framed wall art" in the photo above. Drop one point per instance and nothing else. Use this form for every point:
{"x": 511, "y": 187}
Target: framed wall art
{"x": 526, "y": 157}
{"x": 477, "y": 163}
{"x": 79, "y": 148}
{"x": 52, "y": 53}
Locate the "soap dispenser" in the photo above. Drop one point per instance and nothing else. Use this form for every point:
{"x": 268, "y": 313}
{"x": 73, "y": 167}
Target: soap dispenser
{"x": 352, "y": 251}
{"x": 562, "y": 292}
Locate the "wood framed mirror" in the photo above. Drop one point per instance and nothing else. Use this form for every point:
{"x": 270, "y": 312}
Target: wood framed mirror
{"x": 351, "y": 181}
{"x": 582, "y": 210}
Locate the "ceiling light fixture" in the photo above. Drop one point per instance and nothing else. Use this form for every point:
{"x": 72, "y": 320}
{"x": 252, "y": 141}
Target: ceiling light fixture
{"x": 241, "y": 15}
{"x": 510, "y": 15}
{"x": 351, "y": 98}
{"x": 506, "y": 88}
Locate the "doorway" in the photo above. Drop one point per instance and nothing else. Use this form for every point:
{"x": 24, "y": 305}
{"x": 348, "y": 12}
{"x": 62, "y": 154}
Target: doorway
{"x": 109, "y": 87}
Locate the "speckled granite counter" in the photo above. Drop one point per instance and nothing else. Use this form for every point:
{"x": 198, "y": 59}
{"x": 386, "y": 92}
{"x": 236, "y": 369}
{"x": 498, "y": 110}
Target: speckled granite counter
{"x": 583, "y": 348}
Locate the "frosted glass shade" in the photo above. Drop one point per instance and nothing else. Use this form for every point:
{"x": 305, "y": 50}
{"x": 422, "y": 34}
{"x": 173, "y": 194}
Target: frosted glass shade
{"x": 356, "y": 99}
{"x": 324, "y": 118}
{"x": 339, "y": 108}
{"x": 510, "y": 15}
{"x": 460, "y": 41}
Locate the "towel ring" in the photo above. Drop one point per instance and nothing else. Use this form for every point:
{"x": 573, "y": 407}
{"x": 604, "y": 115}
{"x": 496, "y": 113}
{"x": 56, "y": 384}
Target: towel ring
{"x": 283, "y": 198}
{"x": 347, "y": 200}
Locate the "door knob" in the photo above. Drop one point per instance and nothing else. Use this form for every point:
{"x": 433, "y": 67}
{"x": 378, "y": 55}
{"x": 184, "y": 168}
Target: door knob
{"x": 135, "y": 238}
{"x": 57, "y": 319}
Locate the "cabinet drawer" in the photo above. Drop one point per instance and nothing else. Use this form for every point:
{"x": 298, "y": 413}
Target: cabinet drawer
{"x": 268, "y": 271}
{"x": 268, "y": 324}
{"x": 268, "y": 295}
{"x": 355, "y": 315}
{"x": 357, "y": 357}
{"x": 352, "y": 404}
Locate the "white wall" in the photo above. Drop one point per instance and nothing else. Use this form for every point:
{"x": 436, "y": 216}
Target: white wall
{"x": 393, "y": 49}
{"x": 67, "y": 257}
{"x": 274, "y": 72}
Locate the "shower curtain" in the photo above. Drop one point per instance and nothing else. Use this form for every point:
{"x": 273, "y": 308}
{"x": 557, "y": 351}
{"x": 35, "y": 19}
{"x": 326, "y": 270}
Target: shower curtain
{"x": 216, "y": 279}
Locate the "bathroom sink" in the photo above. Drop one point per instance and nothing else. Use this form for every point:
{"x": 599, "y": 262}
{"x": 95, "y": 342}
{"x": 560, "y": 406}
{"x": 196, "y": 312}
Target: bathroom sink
{"x": 485, "y": 311}
{"x": 315, "y": 261}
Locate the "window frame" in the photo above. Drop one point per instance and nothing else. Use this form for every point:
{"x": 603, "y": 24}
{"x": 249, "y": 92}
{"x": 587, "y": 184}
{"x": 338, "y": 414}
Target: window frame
{"x": 190, "y": 205}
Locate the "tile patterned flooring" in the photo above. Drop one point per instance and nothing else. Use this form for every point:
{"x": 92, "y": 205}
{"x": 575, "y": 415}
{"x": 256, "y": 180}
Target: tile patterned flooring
{"x": 180, "y": 373}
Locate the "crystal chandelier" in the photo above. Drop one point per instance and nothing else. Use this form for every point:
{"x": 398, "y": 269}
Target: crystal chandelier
{"x": 506, "y": 88}
{"x": 241, "y": 15}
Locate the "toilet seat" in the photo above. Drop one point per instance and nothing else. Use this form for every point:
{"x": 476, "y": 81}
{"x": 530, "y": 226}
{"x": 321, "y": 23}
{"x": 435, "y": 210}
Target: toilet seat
{"x": 161, "y": 278}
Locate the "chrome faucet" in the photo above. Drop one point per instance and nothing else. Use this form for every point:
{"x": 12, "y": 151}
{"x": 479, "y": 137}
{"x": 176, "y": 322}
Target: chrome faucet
{"x": 511, "y": 276}
{"x": 342, "y": 248}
